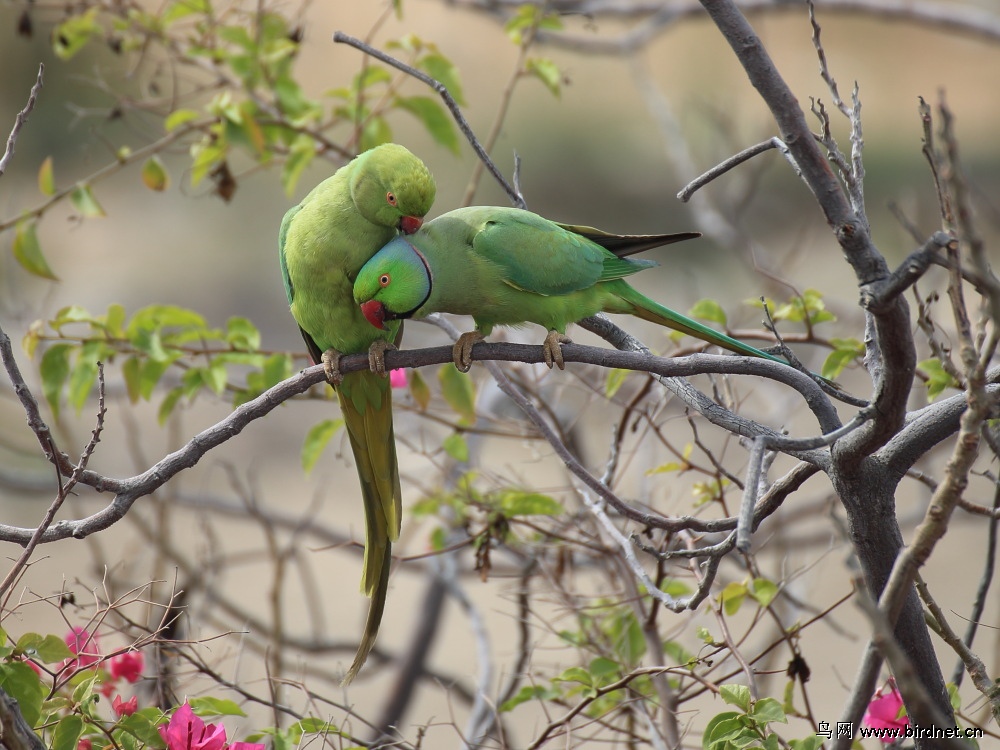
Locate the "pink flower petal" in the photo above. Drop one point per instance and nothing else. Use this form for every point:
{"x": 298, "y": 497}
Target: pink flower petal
{"x": 398, "y": 378}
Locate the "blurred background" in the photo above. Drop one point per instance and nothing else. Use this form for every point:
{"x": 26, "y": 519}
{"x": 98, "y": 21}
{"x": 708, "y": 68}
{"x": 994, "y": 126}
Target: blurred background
{"x": 612, "y": 149}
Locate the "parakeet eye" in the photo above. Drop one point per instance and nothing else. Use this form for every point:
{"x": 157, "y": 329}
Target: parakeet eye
{"x": 384, "y": 280}
{"x": 391, "y": 198}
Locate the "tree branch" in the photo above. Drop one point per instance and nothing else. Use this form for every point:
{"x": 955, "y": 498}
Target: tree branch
{"x": 22, "y": 117}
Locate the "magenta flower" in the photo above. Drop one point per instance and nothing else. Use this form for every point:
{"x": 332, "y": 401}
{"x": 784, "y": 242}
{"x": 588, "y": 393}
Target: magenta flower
{"x": 125, "y": 708}
{"x": 185, "y": 731}
{"x": 84, "y": 744}
{"x": 127, "y": 666}
{"x": 398, "y": 378}
{"x": 84, "y": 645}
{"x": 886, "y": 710}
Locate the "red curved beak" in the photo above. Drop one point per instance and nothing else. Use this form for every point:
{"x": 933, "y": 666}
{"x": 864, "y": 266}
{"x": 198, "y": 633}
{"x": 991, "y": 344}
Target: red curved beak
{"x": 374, "y": 312}
{"x": 410, "y": 224}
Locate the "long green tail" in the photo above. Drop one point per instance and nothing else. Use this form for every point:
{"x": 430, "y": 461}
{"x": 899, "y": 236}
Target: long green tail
{"x": 366, "y": 404}
{"x": 643, "y": 307}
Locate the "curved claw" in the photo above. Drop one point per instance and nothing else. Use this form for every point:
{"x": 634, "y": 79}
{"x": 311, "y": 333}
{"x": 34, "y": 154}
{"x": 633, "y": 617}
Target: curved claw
{"x": 552, "y": 349}
{"x": 331, "y": 366}
{"x": 376, "y": 355}
{"x": 461, "y": 353}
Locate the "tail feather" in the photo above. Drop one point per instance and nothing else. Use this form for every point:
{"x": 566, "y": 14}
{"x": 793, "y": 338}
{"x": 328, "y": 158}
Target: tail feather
{"x": 374, "y": 619}
{"x": 366, "y": 404}
{"x": 645, "y": 308}
{"x": 624, "y": 245}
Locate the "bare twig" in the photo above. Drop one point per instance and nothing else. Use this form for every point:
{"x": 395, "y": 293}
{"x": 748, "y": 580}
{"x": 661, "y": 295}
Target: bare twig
{"x": 442, "y": 90}
{"x": 22, "y": 117}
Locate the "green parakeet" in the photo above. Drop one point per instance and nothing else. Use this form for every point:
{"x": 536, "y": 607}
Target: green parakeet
{"x": 507, "y": 266}
{"x": 323, "y": 243}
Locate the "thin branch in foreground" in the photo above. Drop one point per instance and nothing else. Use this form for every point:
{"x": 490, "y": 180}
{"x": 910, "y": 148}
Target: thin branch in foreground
{"x": 341, "y": 38}
{"x": 720, "y": 169}
{"x": 22, "y": 117}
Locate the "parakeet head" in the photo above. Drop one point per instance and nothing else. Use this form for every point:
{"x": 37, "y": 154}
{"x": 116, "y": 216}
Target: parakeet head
{"x": 391, "y": 187}
{"x": 393, "y": 284}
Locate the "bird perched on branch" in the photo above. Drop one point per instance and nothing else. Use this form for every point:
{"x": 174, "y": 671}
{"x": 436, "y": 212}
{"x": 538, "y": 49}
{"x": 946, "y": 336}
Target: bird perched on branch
{"x": 508, "y": 266}
{"x": 323, "y": 244}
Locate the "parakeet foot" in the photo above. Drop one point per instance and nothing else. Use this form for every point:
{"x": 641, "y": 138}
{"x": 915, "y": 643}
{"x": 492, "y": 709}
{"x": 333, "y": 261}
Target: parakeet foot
{"x": 376, "y": 355}
{"x": 331, "y": 366}
{"x": 552, "y": 349}
{"x": 461, "y": 353}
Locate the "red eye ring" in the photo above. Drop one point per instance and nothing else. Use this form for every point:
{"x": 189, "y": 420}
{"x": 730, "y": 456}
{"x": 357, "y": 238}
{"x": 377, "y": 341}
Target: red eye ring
{"x": 390, "y": 198}
{"x": 383, "y": 280}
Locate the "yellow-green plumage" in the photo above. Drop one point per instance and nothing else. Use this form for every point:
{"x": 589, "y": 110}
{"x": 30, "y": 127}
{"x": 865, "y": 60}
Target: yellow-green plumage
{"x": 323, "y": 244}
{"x": 506, "y": 266}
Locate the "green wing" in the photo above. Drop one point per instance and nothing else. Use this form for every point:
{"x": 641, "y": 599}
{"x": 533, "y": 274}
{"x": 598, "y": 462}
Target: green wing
{"x": 311, "y": 346}
{"x": 540, "y": 256}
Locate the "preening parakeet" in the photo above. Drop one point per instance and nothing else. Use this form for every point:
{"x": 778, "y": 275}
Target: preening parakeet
{"x": 507, "y": 266}
{"x": 323, "y": 243}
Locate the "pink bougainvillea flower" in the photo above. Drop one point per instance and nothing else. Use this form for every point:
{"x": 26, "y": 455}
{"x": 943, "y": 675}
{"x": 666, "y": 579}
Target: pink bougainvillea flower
{"x": 185, "y": 731}
{"x": 127, "y": 666}
{"x": 84, "y": 645}
{"x": 125, "y": 708}
{"x": 398, "y": 378}
{"x": 108, "y": 689}
{"x": 884, "y": 710}
{"x": 84, "y": 744}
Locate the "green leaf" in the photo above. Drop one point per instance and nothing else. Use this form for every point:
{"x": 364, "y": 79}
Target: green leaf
{"x": 300, "y": 156}
{"x": 710, "y": 310}
{"x": 937, "y": 377}
{"x": 114, "y": 321}
{"x": 154, "y": 174}
{"x": 763, "y": 591}
{"x": 242, "y": 334}
{"x": 28, "y": 252}
{"x": 575, "y": 674}
{"x": 720, "y": 729}
{"x": 181, "y": 8}
{"x": 460, "y": 393}
{"x": 456, "y": 447}
{"x": 768, "y": 710}
{"x": 375, "y": 132}
{"x": 85, "y": 203}
{"x": 434, "y": 118}
{"x": 732, "y": 597}
{"x": 528, "y": 693}
{"x": 46, "y": 179}
{"x": 440, "y": 68}
{"x": 168, "y": 405}
{"x": 47, "y": 649}
{"x": 150, "y": 373}
{"x": 84, "y": 373}
{"x": 180, "y": 117}
{"x": 54, "y": 370}
{"x": 131, "y": 374}
{"x": 143, "y": 725}
{"x": 67, "y": 732}
{"x": 419, "y": 389}
{"x": 515, "y": 503}
{"x": 209, "y": 706}
{"x": 616, "y": 377}
{"x": 546, "y": 71}
{"x": 316, "y": 439}
{"x": 736, "y": 695}
{"x": 72, "y": 35}
{"x": 23, "y": 685}
{"x": 604, "y": 667}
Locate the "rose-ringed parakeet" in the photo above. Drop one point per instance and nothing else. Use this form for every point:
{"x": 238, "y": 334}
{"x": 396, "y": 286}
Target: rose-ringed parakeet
{"x": 323, "y": 243}
{"x": 507, "y": 266}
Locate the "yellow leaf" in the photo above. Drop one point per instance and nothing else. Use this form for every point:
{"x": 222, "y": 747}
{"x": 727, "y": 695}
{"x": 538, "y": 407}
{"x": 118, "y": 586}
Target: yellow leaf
{"x": 46, "y": 180}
